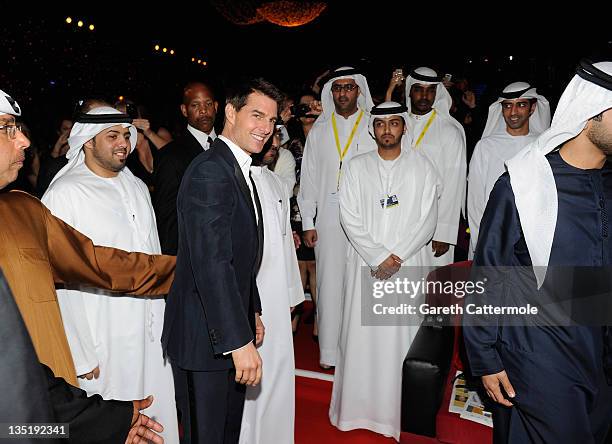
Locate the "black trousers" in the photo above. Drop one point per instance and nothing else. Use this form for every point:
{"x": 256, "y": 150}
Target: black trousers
{"x": 210, "y": 405}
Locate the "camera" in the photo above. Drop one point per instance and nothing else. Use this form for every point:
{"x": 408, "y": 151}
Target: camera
{"x": 300, "y": 110}
{"x": 131, "y": 110}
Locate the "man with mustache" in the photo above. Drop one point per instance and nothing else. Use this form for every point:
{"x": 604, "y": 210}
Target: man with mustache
{"x": 442, "y": 139}
{"x": 115, "y": 342}
{"x": 340, "y": 133}
{"x": 199, "y": 107}
{"x": 38, "y": 251}
{"x": 388, "y": 209}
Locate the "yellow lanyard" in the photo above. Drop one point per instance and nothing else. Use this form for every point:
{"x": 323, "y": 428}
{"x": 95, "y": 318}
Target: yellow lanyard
{"x": 425, "y": 129}
{"x": 343, "y": 152}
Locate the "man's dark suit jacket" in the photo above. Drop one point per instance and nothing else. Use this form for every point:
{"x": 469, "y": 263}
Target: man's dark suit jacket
{"x": 31, "y": 393}
{"x": 168, "y": 170}
{"x": 211, "y": 305}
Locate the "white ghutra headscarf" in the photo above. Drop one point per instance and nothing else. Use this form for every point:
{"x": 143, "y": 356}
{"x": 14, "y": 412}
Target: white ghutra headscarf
{"x": 388, "y": 109}
{"x": 364, "y": 101}
{"x": 84, "y": 131}
{"x": 539, "y": 121}
{"x": 588, "y": 94}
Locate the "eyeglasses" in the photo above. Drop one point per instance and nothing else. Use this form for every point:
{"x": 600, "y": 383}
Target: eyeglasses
{"x": 11, "y": 130}
{"x": 346, "y": 87}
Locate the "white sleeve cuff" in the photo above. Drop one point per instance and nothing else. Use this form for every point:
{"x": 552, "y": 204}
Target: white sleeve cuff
{"x": 236, "y": 349}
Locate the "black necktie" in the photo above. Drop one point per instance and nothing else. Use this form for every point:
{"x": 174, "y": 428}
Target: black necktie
{"x": 210, "y": 141}
{"x": 260, "y": 231}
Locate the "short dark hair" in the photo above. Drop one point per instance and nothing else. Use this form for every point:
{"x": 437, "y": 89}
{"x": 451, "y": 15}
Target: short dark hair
{"x": 238, "y": 95}
{"x": 192, "y": 84}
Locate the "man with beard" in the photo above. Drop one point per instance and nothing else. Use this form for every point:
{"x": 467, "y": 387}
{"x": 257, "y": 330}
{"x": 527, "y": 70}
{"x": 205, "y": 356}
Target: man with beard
{"x": 199, "y": 107}
{"x": 115, "y": 342}
{"x": 550, "y": 214}
{"x": 37, "y": 251}
{"x": 515, "y": 120}
{"x": 442, "y": 139}
{"x": 388, "y": 209}
{"x": 340, "y": 133}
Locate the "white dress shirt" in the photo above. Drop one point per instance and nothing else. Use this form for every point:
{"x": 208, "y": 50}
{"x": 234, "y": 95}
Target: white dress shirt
{"x": 202, "y": 137}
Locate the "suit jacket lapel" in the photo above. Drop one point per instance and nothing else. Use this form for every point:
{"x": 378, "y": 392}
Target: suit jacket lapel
{"x": 194, "y": 146}
{"x": 225, "y": 152}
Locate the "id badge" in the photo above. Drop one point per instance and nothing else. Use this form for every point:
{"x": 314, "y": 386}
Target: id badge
{"x": 392, "y": 201}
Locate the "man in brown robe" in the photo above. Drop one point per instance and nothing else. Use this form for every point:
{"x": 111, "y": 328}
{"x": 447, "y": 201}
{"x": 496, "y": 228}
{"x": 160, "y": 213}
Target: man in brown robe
{"x": 38, "y": 251}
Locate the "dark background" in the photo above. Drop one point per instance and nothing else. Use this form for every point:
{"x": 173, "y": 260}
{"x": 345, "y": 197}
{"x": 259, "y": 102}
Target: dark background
{"x": 48, "y": 64}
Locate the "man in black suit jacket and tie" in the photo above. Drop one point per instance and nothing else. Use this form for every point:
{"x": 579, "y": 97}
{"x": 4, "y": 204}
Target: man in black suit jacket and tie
{"x": 200, "y": 109}
{"x": 212, "y": 310}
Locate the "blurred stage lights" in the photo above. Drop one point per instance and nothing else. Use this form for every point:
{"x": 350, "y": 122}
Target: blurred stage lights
{"x": 169, "y": 51}
{"x": 164, "y": 49}
{"x": 79, "y": 23}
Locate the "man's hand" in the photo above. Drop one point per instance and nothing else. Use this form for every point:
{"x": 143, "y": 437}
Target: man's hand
{"x": 142, "y": 124}
{"x": 439, "y": 248}
{"x": 94, "y": 374}
{"x": 316, "y": 108}
{"x": 316, "y": 88}
{"x": 492, "y": 385}
{"x": 285, "y": 114}
{"x": 310, "y": 238}
{"x": 296, "y": 240}
{"x": 388, "y": 267}
{"x": 248, "y": 365}
{"x": 59, "y": 147}
{"x": 144, "y": 428}
{"x": 260, "y": 330}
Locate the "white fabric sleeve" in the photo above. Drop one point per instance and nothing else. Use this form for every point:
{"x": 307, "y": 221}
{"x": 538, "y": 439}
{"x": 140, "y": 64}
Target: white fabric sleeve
{"x": 294, "y": 280}
{"x": 453, "y": 174}
{"x": 372, "y": 252}
{"x": 285, "y": 168}
{"x": 476, "y": 200}
{"x": 71, "y": 302}
{"x": 309, "y": 186}
{"x": 420, "y": 233}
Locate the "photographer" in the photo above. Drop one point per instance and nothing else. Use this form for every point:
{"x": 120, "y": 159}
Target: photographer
{"x": 304, "y": 115}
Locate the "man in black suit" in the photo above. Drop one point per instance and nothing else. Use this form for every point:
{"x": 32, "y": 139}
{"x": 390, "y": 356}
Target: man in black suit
{"x": 200, "y": 109}
{"x": 32, "y": 394}
{"x": 213, "y": 305}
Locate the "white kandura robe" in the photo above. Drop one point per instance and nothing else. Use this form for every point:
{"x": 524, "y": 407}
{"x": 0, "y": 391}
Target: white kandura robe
{"x": 444, "y": 145}
{"x": 285, "y": 168}
{"x": 367, "y": 381}
{"x": 121, "y": 335}
{"x": 319, "y": 196}
{"x": 487, "y": 164}
{"x": 269, "y": 408}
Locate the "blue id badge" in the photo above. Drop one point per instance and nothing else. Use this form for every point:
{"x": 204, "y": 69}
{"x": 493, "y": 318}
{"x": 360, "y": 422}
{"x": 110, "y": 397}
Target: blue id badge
{"x": 392, "y": 201}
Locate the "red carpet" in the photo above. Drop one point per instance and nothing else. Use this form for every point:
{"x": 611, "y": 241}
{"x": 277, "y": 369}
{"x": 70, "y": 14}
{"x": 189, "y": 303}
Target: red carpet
{"x": 313, "y": 395}
{"x": 307, "y": 350}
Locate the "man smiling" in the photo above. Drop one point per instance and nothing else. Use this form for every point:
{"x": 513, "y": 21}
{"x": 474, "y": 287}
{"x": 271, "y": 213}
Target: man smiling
{"x": 515, "y": 119}
{"x": 115, "y": 342}
{"x": 214, "y": 303}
